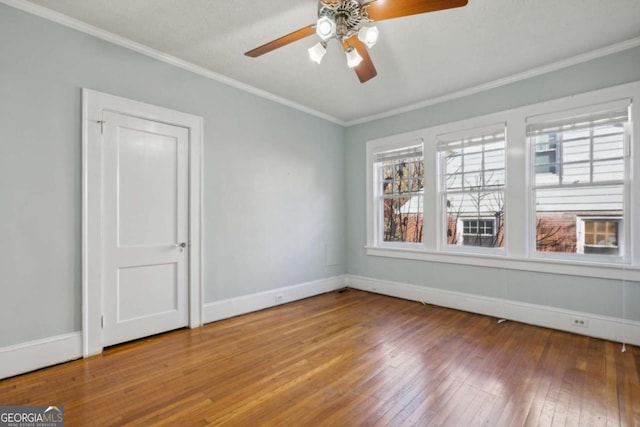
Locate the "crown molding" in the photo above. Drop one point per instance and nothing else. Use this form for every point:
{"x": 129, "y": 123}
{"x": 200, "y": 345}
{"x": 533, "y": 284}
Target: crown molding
{"x": 574, "y": 60}
{"x": 78, "y": 25}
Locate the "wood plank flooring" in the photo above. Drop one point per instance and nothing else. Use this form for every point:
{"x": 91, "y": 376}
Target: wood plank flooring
{"x": 347, "y": 359}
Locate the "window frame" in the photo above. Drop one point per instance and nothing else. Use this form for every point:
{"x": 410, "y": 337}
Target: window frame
{"x": 610, "y": 104}
{"x": 518, "y": 253}
{"x": 375, "y": 223}
{"x": 475, "y": 132}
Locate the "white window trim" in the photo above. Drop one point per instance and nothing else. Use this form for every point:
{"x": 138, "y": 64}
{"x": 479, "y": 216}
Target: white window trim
{"x": 519, "y": 241}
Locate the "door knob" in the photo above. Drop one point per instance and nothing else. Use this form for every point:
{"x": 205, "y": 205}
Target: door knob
{"x": 181, "y": 246}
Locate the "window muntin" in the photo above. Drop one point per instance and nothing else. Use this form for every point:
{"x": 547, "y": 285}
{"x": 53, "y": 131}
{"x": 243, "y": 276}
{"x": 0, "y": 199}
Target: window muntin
{"x": 478, "y": 227}
{"x": 472, "y": 186}
{"x": 587, "y": 180}
{"x": 599, "y": 235}
{"x": 478, "y": 232}
{"x": 399, "y": 194}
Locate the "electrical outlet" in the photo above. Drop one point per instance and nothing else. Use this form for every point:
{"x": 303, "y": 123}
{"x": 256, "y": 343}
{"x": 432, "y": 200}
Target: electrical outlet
{"x": 279, "y": 297}
{"x": 579, "y": 321}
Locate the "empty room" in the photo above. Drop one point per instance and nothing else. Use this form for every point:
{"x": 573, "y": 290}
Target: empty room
{"x": 320, "y": 212}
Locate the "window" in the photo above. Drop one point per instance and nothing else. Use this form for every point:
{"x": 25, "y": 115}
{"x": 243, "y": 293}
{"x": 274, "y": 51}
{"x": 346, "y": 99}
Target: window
{"x": 472, "y": 181}
{"x": 478, "y": 232}
{"x": 547, "y": 187}
{"x": 598, "y": 236}
{"x": 546, "y": 155}
{"x": 586, "y": 180}
{"x": 399, "y": 183}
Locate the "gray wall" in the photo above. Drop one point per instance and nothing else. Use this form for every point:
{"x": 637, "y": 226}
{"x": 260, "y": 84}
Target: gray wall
{"x": 273, "y": 176}
{"x": 279, "y": 185}
{"x": 596, "y": 296}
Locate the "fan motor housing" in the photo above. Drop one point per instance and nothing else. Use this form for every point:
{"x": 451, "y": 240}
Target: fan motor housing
{"x": 347, "y": 14}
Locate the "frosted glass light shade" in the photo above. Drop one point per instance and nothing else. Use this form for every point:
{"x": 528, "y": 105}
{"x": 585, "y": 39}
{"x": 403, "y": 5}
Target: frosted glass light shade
{"x": 353, "y": 57}
{"x": 368, "y": 35}
{"x": 317, "y": 51}
{"x": 325, "y": 28}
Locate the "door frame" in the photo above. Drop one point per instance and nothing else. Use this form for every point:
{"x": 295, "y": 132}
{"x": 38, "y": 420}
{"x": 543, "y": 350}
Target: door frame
{"x": 93, "y": 104}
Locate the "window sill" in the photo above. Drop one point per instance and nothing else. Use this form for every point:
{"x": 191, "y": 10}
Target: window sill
{"x": 572, "y": 268}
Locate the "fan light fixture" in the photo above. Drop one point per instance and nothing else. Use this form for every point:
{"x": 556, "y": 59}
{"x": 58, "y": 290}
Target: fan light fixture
{"x": 353, "y": 57}
{"x": 317, "y": 51}
{"x": 368, "y": 35}
{"x": 352, "y": 24}
{"x": 343, "y": 19}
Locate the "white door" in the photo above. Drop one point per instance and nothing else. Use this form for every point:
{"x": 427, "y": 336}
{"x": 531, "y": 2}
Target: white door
{"x": 145, "y": 220}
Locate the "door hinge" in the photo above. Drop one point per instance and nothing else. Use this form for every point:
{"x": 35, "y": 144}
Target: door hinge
{"x": 102, "y": 322}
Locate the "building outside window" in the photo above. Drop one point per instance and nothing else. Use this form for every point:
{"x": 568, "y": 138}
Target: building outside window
{"x": 546, "y": 155}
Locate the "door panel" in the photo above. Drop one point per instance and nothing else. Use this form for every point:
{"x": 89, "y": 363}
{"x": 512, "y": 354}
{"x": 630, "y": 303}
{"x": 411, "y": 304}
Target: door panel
{"x": 148, "y": 187}
{"x": 145, "y": 288}
{"x": 146, "y": 291}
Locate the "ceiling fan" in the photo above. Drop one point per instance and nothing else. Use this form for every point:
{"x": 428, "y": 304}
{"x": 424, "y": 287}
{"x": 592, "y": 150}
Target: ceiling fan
{"x": 351, "y": 23}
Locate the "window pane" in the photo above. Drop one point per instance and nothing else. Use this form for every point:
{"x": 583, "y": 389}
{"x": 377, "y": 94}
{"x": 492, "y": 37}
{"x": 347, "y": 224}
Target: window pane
{"x": 494, "y": 177}
{"x": 608, "y": 146}
{"x": 546, "y": 157}
{"x": 559, "y": 210}
{"x": 494, "y": 159}
{"x": 453, "y": 161}
{"x": 472, "y": 162}
{"x": 575, "y": 173}
{"x": 472, "y": 180}
{"x": 475, "y": 219}
{"x": 403, "y": 219}
{"x": 454, "y": 181}
{"x": 399, "y": 197}
{"x": 473, "y": 188}
{"x": 575, "y": 150}
{"x": 610, "y": 170}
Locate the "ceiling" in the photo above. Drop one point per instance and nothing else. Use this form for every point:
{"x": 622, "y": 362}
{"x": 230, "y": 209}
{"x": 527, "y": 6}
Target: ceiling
{"x": 418, "y": 58}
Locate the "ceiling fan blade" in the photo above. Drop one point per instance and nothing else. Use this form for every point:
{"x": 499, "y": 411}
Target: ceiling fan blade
{"x": 282, "y": 41}
{"x": 388, "y": 9}
{"x": 365, "y": 70}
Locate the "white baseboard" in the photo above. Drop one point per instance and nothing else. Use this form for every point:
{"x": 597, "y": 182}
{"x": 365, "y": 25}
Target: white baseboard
{"x": 609, "y": 328}
{"x": 21, "y": 358}
{"x": 247, "y": 303}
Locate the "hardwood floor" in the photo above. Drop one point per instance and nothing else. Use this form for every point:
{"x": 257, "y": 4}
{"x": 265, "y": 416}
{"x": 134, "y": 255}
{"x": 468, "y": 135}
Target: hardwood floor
{"x": 344, "y": 359}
